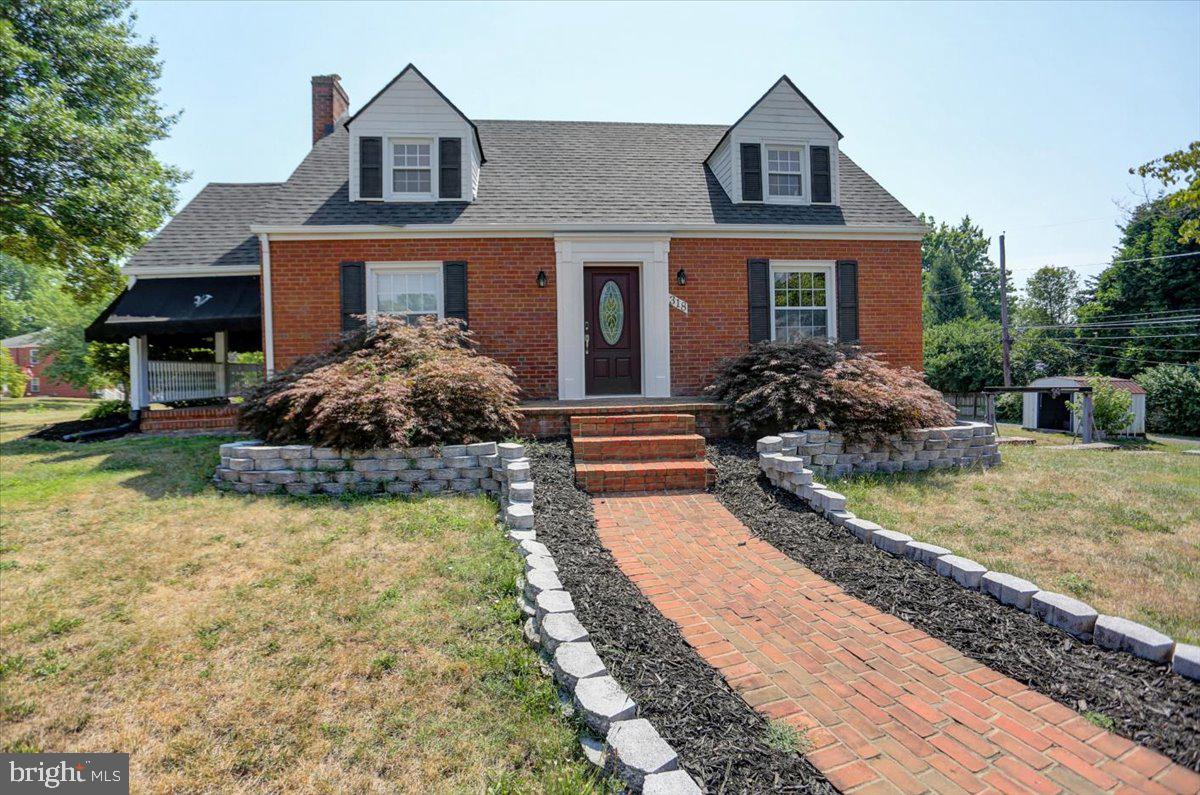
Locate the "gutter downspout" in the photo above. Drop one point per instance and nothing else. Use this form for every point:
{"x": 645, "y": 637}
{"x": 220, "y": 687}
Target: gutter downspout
{"x": 264, "y": 242}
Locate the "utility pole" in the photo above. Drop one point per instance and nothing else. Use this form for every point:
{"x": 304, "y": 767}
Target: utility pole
{"x": 1005, "y": 340}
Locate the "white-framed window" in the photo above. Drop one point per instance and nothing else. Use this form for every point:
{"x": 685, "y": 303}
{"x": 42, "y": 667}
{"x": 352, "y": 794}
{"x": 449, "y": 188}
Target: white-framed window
{"x": 803, "y": 301}
{"x": 410, "y": 290}
{"x": 35, "y": 386}
{"x": 784, "y": 168}
{"x": 33, "y": 356}
{"x": 411, "y": 167}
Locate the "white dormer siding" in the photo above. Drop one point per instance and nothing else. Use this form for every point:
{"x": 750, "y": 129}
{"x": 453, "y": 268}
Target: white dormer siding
{"x": 412, "y": 111}
{"x": 721, "y": 164}
{"x": 782, "y": 118}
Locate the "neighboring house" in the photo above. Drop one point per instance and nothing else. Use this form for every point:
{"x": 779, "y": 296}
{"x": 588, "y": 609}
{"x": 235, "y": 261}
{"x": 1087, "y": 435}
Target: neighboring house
{"x": 1047, "y": 411}
{"x": 593, "y": 258}
{"x": 26, "y": 351}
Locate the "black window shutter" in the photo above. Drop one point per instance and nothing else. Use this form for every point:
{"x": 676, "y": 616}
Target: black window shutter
{"x": 354, "y": 294}
{"x": 751, "y": 173}
{"x": 759, "y": 286}
{"x": 847, "y": 300}
{"x": 450, "y": 168}
{"x": 454, "y": 289}
{"x": 370, "y": 168}
{"x": 822, "y": 176}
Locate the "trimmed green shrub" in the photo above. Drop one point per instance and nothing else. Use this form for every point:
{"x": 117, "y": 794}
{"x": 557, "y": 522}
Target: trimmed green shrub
{"x": 388, "y": 384}
{"x": 1110, "y": 407}
{"x": 963, "y": 356}
{"x": 782, "y": 386}
{"x": 107, "y": 408}
{"x": 1172, "y": 398}
{"x": 12, "y": 377}
{"x": 1009, "y": 407}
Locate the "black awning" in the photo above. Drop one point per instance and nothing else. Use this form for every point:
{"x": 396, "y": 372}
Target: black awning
{"x": 195, "y": 305}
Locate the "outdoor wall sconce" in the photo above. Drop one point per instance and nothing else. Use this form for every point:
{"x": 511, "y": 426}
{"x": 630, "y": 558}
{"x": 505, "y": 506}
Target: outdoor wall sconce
{"x": 681, "y": 277}
{"x": 541, "y": 278}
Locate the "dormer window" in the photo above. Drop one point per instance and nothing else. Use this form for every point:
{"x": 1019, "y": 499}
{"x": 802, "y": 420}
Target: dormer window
{"x": 411, "y": 144}
{"x": 785, "y": 171}
{"x": 412, "y": 167}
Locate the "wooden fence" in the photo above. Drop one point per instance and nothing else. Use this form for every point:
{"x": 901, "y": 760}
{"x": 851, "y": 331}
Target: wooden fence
{"x": 969, "y": 405}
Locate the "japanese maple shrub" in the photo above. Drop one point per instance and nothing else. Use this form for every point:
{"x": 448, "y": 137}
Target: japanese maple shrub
{"x": 810, "y": 383}
{"x": 389, "y": 383}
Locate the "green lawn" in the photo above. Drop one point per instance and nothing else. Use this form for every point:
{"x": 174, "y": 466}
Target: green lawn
{"x": 1120, "y": 530}
{"x": 262, "y": 644}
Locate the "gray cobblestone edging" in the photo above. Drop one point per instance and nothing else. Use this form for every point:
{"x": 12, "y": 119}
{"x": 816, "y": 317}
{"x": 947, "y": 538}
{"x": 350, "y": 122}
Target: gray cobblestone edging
{"x": 632, "y": 748}
{"x": 790, "y": 461}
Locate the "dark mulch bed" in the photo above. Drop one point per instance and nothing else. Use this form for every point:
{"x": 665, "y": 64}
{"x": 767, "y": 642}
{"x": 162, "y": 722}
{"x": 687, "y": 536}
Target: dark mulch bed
{"x": 1149, "y": 704}
{"x": 56, "y": 432}
{"x": 720, "y": 740}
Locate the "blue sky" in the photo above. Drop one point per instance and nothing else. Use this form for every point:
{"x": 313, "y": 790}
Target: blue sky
{"x": 1025, "y": 116}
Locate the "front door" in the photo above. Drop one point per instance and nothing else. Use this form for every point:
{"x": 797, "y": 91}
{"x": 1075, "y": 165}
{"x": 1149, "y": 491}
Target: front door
{"x": 612, "y": 331}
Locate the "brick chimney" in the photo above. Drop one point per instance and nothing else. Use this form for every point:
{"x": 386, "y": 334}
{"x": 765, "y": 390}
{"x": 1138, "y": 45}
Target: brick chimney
{"x": 329, "y": 103}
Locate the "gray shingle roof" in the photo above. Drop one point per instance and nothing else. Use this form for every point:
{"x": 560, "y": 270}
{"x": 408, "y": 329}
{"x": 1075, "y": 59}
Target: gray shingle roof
{"x": 212, "y": 229}
{"x": 538, "y": 173}
{"x": 555, "y": 172}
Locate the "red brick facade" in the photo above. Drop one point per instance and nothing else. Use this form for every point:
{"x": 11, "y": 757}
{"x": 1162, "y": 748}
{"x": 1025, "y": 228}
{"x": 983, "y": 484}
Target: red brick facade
{"x": 715, "y": 328}
{"x": 515, "y": 321}
{"x": 42, "y": 386}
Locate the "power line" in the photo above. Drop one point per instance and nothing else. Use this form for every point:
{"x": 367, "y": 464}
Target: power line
{"x": 1084, "y": 343}
{"x": 1195, "y": 309}
{"x": 1184, "y": 321}
{"x": 1145, "y": 359}
{"x": 1139, "y": 336}
{"x": 1110, "y": 262}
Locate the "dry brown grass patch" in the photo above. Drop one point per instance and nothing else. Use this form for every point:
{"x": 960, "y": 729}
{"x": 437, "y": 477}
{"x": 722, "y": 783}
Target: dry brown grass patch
{"x": 1120, "y": 530}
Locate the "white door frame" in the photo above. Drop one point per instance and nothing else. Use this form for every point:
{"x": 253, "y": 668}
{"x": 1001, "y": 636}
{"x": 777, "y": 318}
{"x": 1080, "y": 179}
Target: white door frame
{"x": 649, "y": 254}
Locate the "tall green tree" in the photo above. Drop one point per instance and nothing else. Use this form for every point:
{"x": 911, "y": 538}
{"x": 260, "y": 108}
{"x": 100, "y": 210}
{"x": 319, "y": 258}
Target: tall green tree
{"x": 89, "y": 365}
{"x": 963, "y": 355}
{"x": 1041, "y": 353}
{"x": 31, "y": 298}
{"x": 1146, "y": 282}
{"x": 966, "y": 246}
{"x": 1183, "y": 167}
{"x": 1051, "y": 296}
{"x": 79, "y": 185}
{"x": 947, "y": 295}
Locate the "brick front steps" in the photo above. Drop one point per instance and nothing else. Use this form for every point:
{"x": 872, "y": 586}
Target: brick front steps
{"x": 196, "y": 419}
{"x": 545, "y": 419}
{"x": 683, "y": 447}
{"x": 639, "y": 452}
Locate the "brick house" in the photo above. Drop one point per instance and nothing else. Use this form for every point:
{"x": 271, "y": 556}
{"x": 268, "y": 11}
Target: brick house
{"x": 26, "y": 351}
{"x": 595, "y": 259}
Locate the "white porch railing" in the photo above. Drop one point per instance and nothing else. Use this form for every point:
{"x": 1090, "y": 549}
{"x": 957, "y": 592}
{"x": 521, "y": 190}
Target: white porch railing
{"x": 170, "y": 381}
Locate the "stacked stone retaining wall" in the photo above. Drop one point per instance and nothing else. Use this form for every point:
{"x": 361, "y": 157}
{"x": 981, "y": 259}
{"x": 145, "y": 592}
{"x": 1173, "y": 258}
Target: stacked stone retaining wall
{"x": 257, "y": 468}
{"x": 830, "y": 454}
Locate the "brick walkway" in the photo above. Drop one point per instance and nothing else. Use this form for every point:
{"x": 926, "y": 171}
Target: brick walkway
{"x": 887, "y": 708}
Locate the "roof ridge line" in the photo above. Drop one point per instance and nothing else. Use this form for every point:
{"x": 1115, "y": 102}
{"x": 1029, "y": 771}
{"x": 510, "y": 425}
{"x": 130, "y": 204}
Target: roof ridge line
{"x": 595, "y": 121}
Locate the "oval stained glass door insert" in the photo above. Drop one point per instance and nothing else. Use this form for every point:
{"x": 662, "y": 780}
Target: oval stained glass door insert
{"x": 612, "y": 312}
